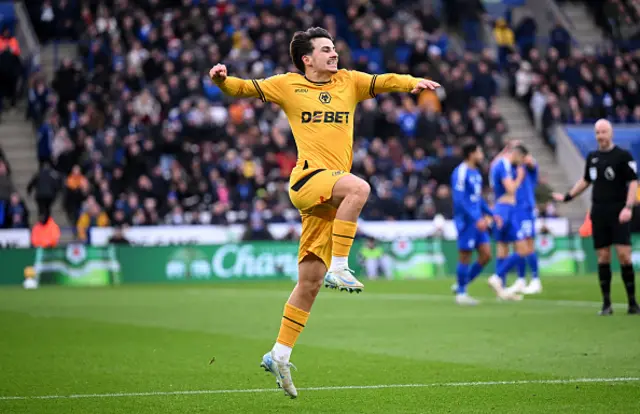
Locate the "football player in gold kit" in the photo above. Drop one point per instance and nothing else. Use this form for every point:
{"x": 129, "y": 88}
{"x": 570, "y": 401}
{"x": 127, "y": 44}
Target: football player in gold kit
{"x": 320, "y": 105}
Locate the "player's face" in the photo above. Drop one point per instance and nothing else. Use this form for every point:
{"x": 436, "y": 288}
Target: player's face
{"x": 517, "y": 157}
{"x": 324, "y": 57}
{"x": 478, "y": 156}
{"x": 603, "y": 135}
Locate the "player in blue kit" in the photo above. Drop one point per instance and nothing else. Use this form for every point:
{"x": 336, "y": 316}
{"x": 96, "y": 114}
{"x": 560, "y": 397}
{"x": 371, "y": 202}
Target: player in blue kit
{"x": 472, "y": 217}
{"x": 524, "y": 219}
{"x": 505, "y": 176}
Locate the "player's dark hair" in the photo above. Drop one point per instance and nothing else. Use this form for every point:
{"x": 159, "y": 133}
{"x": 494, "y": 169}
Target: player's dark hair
{"x": 469, "y": 148}
{"x": 301, "y": 44}
{"x": 522, "y": 149}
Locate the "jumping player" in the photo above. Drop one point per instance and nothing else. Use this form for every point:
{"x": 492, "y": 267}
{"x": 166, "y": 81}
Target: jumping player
{"x": 320, "y": 104}
{"x": 472, "y": 217}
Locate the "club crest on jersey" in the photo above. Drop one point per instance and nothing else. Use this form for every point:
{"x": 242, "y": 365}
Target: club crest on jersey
{"x": 324, "y": 97}
{"x": 609, "y": 174}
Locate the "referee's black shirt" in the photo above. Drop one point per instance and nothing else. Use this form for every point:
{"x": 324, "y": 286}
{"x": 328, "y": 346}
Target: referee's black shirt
{"x": 610, "y": 173}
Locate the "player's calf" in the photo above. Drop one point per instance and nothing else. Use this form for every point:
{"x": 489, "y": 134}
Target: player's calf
{"x": 349, "y": 195}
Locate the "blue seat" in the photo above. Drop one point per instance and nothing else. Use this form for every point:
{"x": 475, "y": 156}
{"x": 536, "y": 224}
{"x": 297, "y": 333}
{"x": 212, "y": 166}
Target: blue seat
{"x": 403, "y": 53}
{"x": 7, "y": 15}
{"x": 373, "y": 56}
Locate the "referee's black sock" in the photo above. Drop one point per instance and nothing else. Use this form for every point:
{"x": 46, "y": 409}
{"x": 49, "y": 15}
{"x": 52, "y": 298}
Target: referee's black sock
{"x": 629, "y": 279}
{"x": 604, "y": 274}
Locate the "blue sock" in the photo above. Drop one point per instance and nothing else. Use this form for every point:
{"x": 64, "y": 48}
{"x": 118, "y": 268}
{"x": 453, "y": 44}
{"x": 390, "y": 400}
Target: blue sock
{"x": 506, "y": 266}
{"x": 532, "y": 260}
{"x": 522, "y": 268}
{"x": 499, "y": 262}
{"x": 461, "y": 273}
{"x": 474, "y": 271}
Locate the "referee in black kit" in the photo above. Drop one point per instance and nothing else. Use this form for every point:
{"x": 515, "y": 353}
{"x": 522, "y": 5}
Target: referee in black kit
{"x": 613, "y": 173}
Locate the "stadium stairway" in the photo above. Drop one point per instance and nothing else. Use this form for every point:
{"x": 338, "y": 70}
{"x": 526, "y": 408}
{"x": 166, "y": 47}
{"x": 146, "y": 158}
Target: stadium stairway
{"x": 520, "y": 129}
{"x": 18, "y": 141}
{"x": 584, "y": 29}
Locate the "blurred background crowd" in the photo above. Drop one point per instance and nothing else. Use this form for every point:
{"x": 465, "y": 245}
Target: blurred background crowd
{"x": 134, "y": 132}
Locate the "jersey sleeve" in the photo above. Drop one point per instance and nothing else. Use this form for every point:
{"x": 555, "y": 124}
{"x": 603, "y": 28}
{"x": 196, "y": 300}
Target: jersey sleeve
{"x": 268, "y": 90}
{"x": 629, "y": 167}
{"x": 500, "y": 172}
{"x": 368, "y": 86}
{"x": 533, "y": 174}
{"x": 587, "y": 176}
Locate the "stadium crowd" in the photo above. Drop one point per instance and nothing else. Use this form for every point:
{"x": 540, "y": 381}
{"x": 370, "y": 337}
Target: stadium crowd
{"x": 143, "y": 137}
{"x": 573, "y": 85}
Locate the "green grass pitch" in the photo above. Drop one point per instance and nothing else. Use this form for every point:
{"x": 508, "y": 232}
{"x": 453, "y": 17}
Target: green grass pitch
{"x": 399, "y": 347}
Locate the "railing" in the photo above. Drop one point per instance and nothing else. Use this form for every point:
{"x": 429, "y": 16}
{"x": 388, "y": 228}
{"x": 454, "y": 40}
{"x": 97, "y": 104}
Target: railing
{"x": 29, "y": 44}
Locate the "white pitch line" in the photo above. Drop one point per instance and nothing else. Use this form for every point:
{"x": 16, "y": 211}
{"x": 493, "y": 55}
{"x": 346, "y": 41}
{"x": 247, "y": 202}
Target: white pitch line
{"x": 337, "y": 388}
{"x": 408, "y": 297}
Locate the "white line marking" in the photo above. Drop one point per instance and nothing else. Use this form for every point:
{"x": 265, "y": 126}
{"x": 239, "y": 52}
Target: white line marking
{"x": 406, "y": 297}
{"x": 338, "y": 388}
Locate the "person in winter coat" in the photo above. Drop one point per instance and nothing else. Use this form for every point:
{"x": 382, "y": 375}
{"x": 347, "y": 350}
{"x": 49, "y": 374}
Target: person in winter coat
{"x": 46, "y": 184}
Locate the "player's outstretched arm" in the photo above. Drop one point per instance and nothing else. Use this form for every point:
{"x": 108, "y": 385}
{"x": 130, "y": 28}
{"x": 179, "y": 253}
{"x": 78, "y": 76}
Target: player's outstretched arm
{"x": 368, "y": 86}
{"x": 236, "y": 87}
{"x": 577, "y": 189}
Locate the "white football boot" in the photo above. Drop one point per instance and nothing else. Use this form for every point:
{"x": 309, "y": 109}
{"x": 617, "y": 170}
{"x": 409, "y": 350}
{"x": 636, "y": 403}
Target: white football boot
{"x": 518, "y": 286}
{"x": 534, "y": 287}
{"x": 343, "y": 279}
{"x": 463, "y": 299}
{"x": 496, "y": 284}
{"x": 282, "y": 371}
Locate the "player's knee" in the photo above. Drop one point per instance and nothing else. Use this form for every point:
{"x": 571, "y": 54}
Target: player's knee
{"x": 361, "y": 190}
{"x": 484, "y": 258}
{"x": 311, "y": 288}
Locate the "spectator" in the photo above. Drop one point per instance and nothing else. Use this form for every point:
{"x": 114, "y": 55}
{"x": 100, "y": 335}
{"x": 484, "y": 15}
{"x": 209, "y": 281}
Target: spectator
{"x": 17, "y": 215}
{"x": 10, "y": 68}
{"x": 526, "y": 34}
{"x": 46, "y": 185}
{"x": 76, "y": 190}
{"x": 93, "y": 216}
{"x": 505, "y": 39}
{"x": 560, "y": 39}
{"x": 37, "y": 100}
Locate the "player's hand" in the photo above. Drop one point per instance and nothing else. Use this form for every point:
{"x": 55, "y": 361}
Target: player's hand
{"x": 481, "y": 224}
{"x": 218, "y": 73}
{"x": 625, "y": 215}
{"x": 528, "y": 160}
{"x": 558, "y": 197}
{"x": 489, "y": 220}
{"x": 498, "y": 221}
{"x": 425, "y": 84}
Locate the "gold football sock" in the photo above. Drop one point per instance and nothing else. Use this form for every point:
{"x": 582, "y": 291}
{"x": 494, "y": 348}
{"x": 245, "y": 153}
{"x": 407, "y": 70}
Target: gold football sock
{"x": 343, "y": 234}
{"x": 293, "y": 322}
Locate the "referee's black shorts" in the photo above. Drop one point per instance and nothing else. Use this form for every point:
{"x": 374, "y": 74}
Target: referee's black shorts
{"x": 607, "y": 229}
